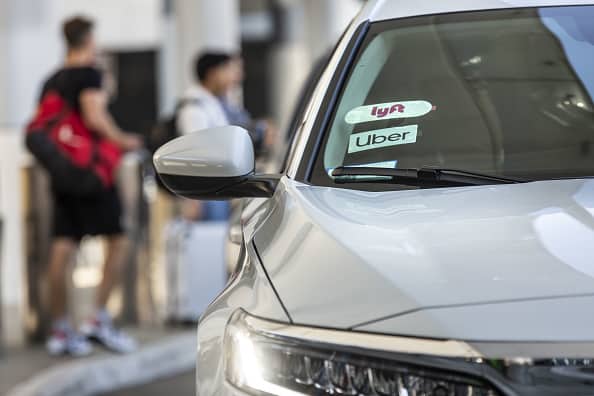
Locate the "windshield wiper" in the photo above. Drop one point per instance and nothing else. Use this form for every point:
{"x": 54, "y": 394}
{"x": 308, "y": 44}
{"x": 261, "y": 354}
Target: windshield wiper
{"x": 418, "y": 176}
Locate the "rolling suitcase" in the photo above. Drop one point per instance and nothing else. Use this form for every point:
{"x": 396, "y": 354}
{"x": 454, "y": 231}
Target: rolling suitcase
{"x": 195, "y": 267}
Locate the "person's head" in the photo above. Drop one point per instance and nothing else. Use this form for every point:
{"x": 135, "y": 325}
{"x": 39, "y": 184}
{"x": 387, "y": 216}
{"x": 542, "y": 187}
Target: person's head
{"x": 215, "y": 71}
{"x": 78, "y": 34}
{"x": 238, "y": 71}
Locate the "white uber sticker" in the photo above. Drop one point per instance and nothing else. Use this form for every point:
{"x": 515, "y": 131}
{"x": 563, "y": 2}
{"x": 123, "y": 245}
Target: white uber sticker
{"x": 387, "y": 111}
{"x": 383, "y": 138}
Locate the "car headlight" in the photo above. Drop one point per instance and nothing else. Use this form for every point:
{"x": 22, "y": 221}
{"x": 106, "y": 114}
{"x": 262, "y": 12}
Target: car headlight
{"x": 262, "y": 362}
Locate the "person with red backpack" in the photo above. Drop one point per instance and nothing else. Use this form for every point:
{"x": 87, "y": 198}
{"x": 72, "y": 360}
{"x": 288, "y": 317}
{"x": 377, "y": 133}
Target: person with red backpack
{"x": 76, "y": 140}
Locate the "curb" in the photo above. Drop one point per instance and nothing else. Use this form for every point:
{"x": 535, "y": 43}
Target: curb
{"x": 98, "y": 375}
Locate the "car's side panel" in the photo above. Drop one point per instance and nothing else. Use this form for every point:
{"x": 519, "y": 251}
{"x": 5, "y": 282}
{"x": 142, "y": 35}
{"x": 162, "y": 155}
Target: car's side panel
{"x": 298, "y": 246}
{"x": 249, "y": 290}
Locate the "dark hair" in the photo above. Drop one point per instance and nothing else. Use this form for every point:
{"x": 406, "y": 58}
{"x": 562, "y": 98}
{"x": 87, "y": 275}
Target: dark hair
{"x": 207, "y": 61}
{"x": 76, "y": 30}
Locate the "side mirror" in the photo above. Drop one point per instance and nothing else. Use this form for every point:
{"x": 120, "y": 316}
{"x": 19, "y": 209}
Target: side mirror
{"x": 215, "y": 163}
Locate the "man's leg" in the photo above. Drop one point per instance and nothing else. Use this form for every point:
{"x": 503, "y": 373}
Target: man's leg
{"x": 117, "y": 252}
{"x": 63, "y": 338}
{"x": 61, "y": 253}
{"x": 101, "y": 328}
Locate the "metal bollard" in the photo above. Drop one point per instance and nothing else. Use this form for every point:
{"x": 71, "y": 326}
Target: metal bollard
{"x": 137, "y": 301}
{"x": 37, "y": 226}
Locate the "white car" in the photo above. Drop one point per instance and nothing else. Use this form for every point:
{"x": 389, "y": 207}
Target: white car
{"x": 433, "y": 230}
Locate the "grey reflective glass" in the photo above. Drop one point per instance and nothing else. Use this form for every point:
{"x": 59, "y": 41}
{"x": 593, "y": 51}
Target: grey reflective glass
{"x": 505, "y": 92}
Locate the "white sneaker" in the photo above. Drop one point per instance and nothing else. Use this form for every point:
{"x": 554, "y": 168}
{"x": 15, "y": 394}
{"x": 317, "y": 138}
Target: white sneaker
{"x": 107, "y": 335}
{"x": 68, "y": 343}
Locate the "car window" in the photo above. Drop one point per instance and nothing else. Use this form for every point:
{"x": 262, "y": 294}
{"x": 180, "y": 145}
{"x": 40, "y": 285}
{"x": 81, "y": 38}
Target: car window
{"x": 505, "y": 92}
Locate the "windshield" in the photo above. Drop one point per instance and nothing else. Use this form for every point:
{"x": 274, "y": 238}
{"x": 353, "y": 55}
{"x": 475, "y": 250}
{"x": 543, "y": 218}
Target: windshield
{"x": 505, "y": 93}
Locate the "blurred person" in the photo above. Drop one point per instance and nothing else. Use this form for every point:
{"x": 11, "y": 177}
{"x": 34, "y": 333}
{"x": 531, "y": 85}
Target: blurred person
{"x": 262, "y": 132}
{"x": 214, "y": 76}
{"x": 79, "y": 83}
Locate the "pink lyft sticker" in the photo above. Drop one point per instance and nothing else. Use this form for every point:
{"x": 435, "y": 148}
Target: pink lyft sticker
{"x": 387, "y": 111}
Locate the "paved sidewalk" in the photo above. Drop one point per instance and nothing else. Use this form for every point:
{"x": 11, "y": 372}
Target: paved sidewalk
{"x": 31, "y": 372}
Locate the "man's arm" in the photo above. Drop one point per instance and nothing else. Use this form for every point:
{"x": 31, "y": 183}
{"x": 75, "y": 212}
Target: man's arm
{"x": 93, "y": 106}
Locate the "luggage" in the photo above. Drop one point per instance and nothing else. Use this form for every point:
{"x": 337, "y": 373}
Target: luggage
{"x": 78, "y": 161}
{"x": 195, "y": 267}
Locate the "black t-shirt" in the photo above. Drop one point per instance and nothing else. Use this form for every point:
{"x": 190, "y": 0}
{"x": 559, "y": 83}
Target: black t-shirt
{"x": 69, "y": 82}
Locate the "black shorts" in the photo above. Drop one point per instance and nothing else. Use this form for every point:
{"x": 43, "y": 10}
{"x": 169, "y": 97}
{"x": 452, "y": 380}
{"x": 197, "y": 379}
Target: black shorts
{"x": 76, "y": 217}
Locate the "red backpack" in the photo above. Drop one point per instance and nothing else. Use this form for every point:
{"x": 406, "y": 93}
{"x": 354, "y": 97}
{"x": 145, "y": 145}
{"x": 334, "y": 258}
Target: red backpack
{"x": 78, "y": 160}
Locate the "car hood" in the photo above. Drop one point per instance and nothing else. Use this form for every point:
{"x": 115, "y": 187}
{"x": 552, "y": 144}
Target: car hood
{"x": 398, "y": 262}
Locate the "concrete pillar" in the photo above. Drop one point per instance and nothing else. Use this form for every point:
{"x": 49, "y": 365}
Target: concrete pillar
{"x": 312, "y": 27}
{"x": 326, "y": 21}
{"x": 190, "y": 27}
{"x": 30, "y": 48}
{"x": 12, "y": 264}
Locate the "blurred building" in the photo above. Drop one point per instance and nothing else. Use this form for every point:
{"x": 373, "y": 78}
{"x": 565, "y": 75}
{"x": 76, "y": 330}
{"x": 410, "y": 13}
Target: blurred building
{"x": 148, "y": 46}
